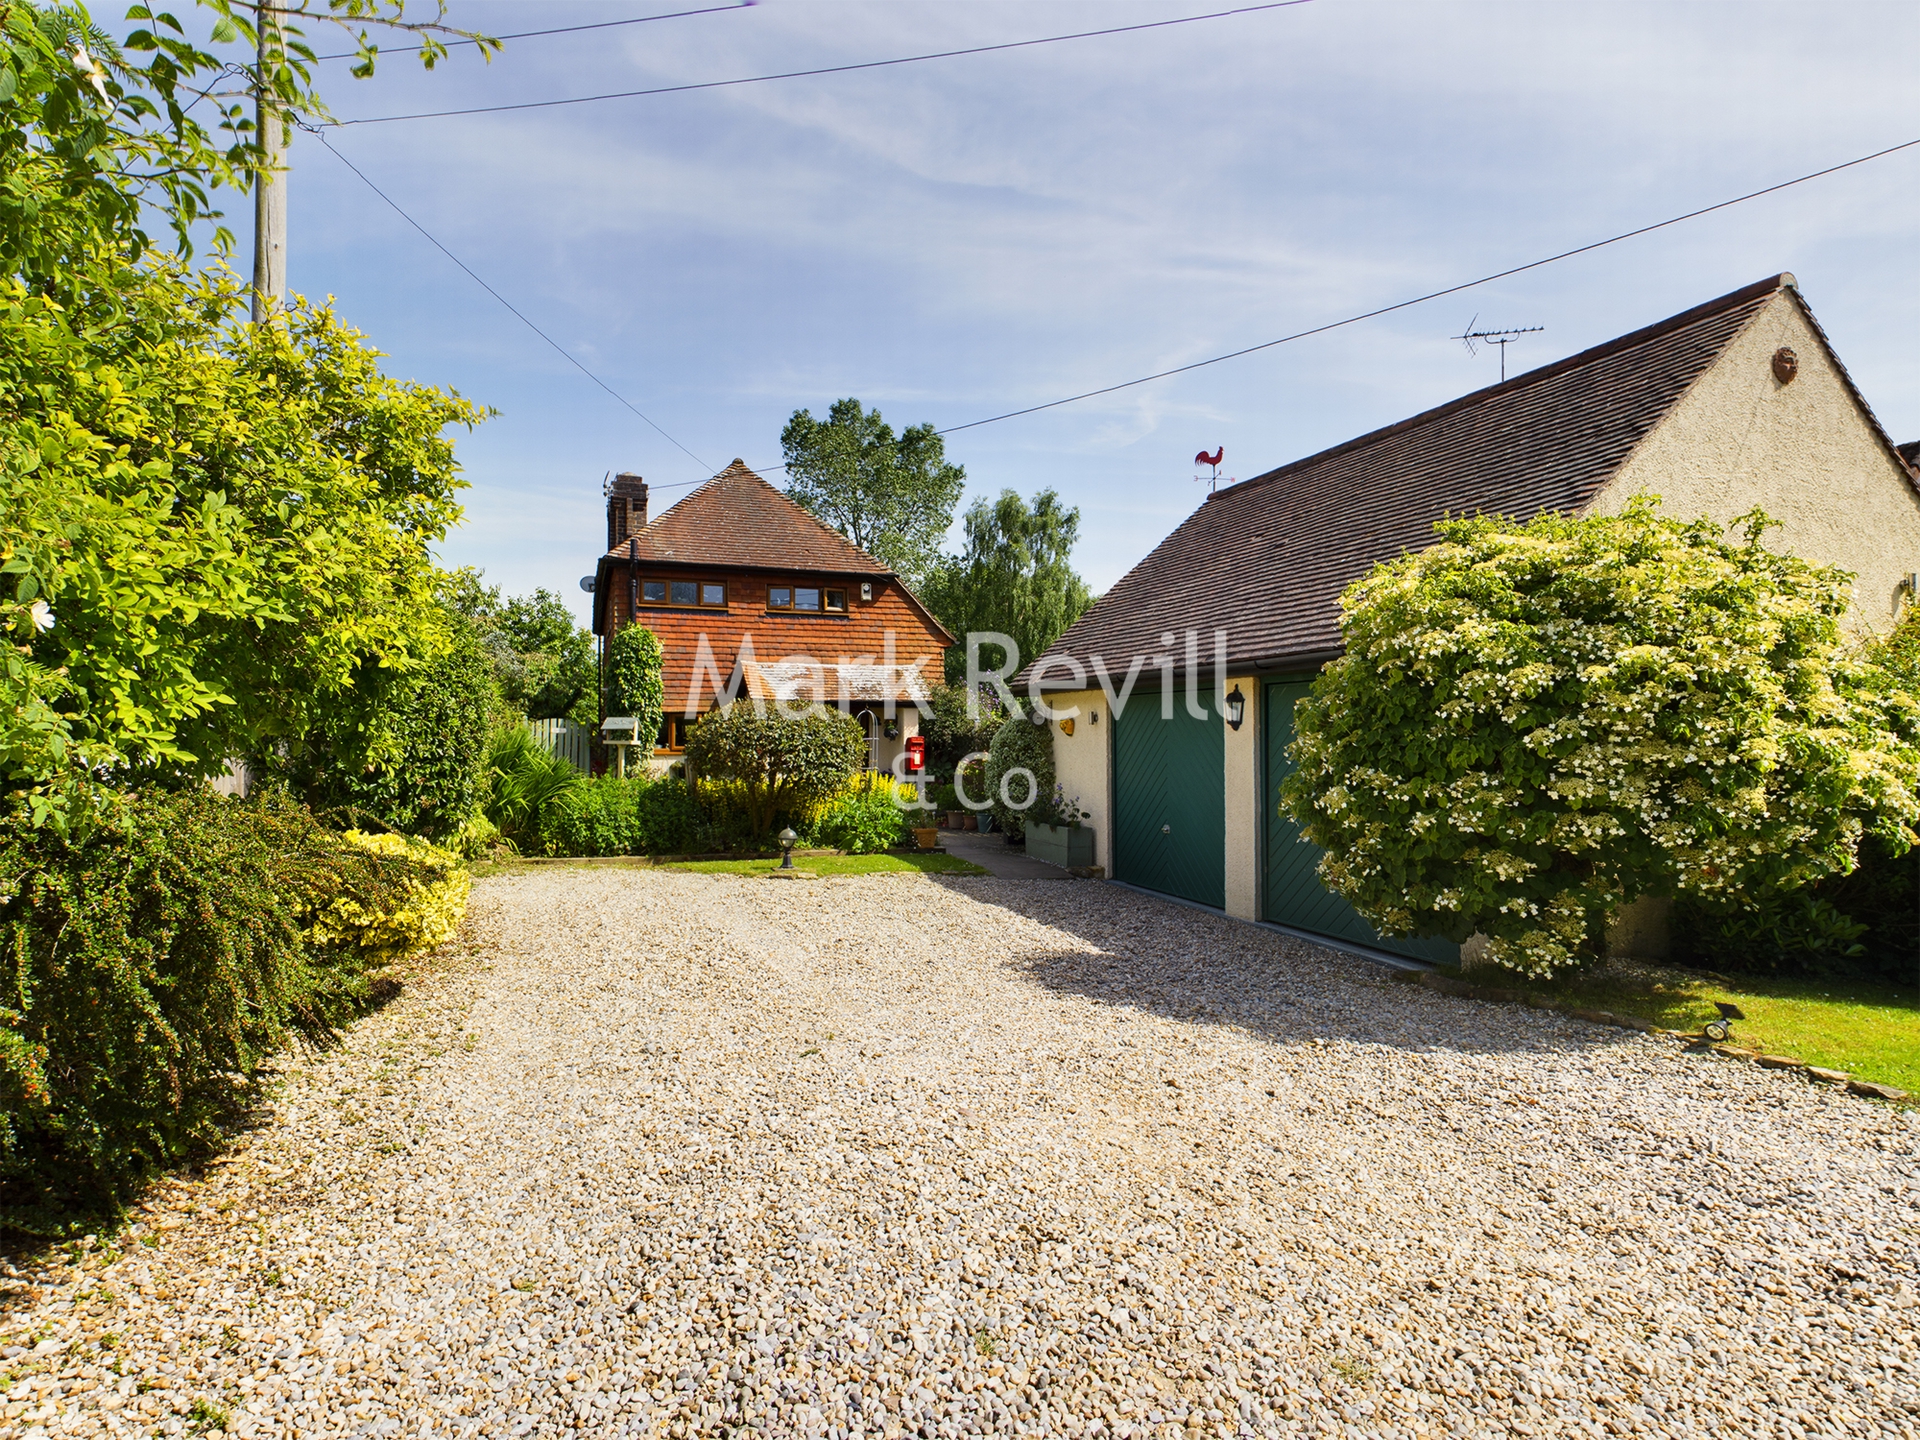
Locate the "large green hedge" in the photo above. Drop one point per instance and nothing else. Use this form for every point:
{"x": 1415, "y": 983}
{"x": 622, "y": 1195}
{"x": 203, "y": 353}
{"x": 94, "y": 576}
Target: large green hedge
{"x": 153, "y": 960}
{"x": 415, "y": 757}
{"x": 1534, "y": 724}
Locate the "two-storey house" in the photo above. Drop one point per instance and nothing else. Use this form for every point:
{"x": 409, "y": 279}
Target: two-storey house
{"x": 754, "y": 598}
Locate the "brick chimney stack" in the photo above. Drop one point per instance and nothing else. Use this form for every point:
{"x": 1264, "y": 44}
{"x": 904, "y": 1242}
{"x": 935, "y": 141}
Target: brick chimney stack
{"x": 626, "y": 508}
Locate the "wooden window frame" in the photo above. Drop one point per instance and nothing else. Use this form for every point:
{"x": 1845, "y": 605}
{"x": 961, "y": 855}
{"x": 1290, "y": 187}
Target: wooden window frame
{"x": 669, "y": 603}
{"x": 825, "y": 592}
{"x": 664, "y": 741}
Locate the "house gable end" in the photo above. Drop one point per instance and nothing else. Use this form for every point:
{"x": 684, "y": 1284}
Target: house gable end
{"x": 1807, "y": 450}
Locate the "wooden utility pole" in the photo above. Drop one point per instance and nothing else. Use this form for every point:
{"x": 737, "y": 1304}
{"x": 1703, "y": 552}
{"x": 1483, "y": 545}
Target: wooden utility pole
{"x": 270, "y": 184}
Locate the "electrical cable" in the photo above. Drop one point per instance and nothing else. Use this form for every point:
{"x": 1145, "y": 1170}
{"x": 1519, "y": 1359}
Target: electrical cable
{"x": 564, "y": 352}
{"x": 561, "y": 30}
{"x": 823, "y": 70}
{"x": 1438, "y": 294}
{"x": 1178, "y": 369}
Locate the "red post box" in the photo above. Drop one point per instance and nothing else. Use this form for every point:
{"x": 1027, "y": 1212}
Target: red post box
{"x": 916, "y": 753}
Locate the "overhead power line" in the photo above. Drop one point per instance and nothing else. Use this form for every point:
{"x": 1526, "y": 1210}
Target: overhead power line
{"x": 825, "y": 69}
{"x": 1438, "y": 294}
{"x": 565, "y": 353}
{"x": 558, "y": 30}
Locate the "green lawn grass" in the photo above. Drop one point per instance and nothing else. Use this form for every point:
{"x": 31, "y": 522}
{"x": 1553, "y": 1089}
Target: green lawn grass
{"x": 932, "y": 863}
{"x": 1870, "y": 1031}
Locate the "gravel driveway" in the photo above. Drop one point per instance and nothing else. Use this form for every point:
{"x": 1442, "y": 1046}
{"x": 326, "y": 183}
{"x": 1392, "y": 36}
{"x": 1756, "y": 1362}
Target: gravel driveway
{"x": 672, "y": 1154}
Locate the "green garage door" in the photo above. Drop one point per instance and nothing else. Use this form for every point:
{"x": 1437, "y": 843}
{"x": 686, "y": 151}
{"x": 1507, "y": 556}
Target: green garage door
{"x": 1169, "y": 801}
{"x": 1292, "y": 893}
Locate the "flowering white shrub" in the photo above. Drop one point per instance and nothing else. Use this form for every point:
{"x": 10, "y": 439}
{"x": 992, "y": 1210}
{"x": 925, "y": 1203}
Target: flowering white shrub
{"x": 1534, "y": 724}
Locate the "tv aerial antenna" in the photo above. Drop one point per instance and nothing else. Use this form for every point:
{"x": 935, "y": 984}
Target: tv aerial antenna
{"x": 1502, "y": 338}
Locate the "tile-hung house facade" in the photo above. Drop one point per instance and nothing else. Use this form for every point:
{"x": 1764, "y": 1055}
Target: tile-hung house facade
{"x": 1736, "y": 404}
{"x": 753, "y": 597}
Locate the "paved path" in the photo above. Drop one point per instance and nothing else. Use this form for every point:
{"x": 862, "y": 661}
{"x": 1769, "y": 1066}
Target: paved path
{"x": 990, "y": 853}
{"x": 701, "y": 1155}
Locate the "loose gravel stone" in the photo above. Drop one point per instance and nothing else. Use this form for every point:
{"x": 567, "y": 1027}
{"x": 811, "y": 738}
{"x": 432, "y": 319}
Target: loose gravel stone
{"x": 671, "y": 1154}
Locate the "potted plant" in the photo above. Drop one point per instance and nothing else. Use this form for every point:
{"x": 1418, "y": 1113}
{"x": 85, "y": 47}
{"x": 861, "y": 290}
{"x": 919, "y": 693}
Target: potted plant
{"x": 1055, "y": 834}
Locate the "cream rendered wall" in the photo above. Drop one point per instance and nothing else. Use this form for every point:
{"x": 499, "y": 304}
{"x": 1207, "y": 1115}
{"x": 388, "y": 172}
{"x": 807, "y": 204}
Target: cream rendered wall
{"x": 889, "y": 751}
{"x": 1804, "y": 452}
{"x": 1246, "y": 805}
{"x": 1082, "y": 762}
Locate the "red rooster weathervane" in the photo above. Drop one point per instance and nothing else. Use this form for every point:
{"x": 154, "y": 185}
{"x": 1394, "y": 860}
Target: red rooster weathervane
{"x": 1213, "y": 462}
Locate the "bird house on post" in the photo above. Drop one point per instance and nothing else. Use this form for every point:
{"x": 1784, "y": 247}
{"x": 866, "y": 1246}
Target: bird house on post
{"x": 622, "y": 732}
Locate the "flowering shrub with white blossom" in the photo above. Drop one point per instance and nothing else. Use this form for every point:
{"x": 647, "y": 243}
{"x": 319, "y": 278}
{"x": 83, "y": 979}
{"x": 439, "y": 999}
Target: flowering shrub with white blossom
{"x": 1535, "y": 724}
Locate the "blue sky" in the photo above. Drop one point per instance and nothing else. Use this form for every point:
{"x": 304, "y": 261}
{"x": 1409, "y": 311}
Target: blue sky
{"x": 958, "y": 238}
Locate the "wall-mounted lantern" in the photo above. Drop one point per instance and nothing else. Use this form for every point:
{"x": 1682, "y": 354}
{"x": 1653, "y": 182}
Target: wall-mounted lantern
{"x": 1236, "y": 708}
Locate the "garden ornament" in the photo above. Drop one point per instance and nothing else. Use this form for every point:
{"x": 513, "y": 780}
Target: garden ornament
{"x": 786, "y": 838}
{"x": 1723, "y": 1027}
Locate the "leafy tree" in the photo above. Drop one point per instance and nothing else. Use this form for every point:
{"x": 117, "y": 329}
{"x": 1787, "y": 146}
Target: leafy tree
{"x": 96, "y": 136}
{"x": 542, "y": 660}
{"x": 635, "y": 685}
{"x": 1015, "y": 576}
{"x": 210, "y": 530}
{"x": 562, "y": 678}
{"x": 782, "y": 765}
{"x": 1537, "y": 723}
{"x": 230, "y": 524}
{"x": 893, "y": 496}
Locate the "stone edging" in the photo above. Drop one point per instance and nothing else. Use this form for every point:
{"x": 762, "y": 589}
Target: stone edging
{"x": 1465, "y": 990}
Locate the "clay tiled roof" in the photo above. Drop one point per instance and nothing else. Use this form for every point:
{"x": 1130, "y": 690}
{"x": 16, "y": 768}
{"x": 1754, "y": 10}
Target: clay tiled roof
{"x": 738, "y": 521}
{"x": 791, "y": 680}
{"x": 1267, "y": 560}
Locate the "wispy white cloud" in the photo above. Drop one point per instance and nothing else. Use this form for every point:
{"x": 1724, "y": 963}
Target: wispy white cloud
{"x": 963, "y": 237}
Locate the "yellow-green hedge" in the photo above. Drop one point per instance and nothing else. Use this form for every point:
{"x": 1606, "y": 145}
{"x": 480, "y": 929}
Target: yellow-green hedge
{"x": 426, "y": 914}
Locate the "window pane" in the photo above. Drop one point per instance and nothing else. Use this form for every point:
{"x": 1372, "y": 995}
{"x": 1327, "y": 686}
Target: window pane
{"x": 836, "y": 599}
{"x": 654, "y": 592}
{"x": 779, "y": 598}
{"x": 806, "y": 599}
{"x": 713, "y": 594}
{"x": 684, "y": 592}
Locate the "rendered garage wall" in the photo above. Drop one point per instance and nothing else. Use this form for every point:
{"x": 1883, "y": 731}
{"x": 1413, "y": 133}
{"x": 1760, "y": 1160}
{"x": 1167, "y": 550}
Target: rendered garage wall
{"x": 1803, "y": 451}
{"x": 1245, "y": 805}
{"x": 1082, "y": 763}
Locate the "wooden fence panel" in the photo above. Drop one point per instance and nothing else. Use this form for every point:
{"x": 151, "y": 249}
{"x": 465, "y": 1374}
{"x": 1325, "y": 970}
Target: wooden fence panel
{"x": 572, "y": 743}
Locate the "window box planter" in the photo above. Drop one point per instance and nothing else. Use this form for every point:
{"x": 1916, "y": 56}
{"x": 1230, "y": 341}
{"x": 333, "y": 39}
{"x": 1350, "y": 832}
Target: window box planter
{"x": 1064, "y": 845}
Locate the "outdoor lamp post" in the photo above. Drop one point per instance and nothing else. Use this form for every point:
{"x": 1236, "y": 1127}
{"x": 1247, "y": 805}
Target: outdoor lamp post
{"x": 787, "y": 839}
{"x": 1236, "y": 708}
